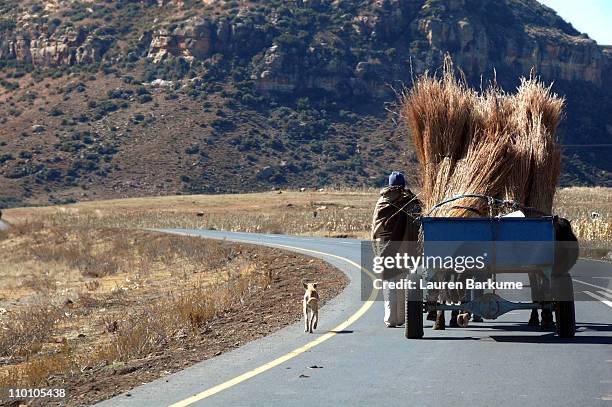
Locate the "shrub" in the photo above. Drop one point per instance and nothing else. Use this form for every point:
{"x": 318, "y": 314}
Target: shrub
{"x": 192, "y": 149}
{"x": 145, "y": 98}
{"x": 51, "y": 174}
{"x": 9, "y": 85}
{"x": 105, "y": 108}
{"x": 23, "y": 170}
{"x": 56, "y": 111}
{"x": 9, "y": 202}
{"x": 119, "y": 93}
{"x": 107, "y": 150}
{"x": 6, "y": 157}
{"x": 221, "y": 124}
{"x": 27, "y": 331}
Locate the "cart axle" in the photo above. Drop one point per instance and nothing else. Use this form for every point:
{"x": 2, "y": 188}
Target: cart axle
{"x": 489, "y": 306}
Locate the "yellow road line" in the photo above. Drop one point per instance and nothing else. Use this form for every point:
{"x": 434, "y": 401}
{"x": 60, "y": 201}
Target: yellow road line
{"x": 251, "y": 373}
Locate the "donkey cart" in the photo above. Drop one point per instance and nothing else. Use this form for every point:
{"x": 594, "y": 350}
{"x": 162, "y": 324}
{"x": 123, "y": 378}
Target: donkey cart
{"x": 505, "y": 245}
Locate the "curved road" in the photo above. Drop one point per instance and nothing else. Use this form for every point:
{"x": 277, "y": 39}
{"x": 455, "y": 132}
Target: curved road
{"x": 499, "y": 363}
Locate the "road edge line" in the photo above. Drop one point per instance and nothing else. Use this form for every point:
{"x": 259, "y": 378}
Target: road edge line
{"x": 290, "y": 355}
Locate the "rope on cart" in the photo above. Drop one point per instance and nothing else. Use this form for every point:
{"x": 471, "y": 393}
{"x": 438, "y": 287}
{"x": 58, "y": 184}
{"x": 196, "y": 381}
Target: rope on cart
{"x": 490, "y": 201}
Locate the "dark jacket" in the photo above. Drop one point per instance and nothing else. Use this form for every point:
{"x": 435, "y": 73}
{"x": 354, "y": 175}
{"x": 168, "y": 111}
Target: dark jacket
{"x": 395, "y": 220}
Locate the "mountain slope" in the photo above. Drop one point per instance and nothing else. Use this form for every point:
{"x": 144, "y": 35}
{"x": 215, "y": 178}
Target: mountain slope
{"x": 125, "y": 98}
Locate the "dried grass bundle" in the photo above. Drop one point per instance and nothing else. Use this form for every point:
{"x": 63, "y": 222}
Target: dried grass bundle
{"x": 534, "y": 100}
{"x": 439, "y": 114}
{"x": 496, "y": 111}
{"x": 491, "y": 143}
{"x": 537, "y": 115}
{"x": 483, "y": 171}
{"x": 546, "y": 169}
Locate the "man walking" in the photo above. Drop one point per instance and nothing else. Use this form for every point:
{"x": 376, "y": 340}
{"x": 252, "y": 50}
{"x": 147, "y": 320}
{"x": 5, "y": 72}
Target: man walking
{"x": 394, "y": 226}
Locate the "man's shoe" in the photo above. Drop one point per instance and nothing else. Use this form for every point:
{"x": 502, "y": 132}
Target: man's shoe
{"x": 390, "y": 325}
{"x": 547, "y": 323}
{"x": 477, "y": 318}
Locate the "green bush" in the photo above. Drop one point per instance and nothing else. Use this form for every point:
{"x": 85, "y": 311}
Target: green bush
{"x": 50, "y": 174}
{"x": 145, "y": 98}
{"x": 222, "y": 124}
{"x": 10, "y": 86}
{"x": 23, "y": 170}
{"x": 104, "y": 108}
{"x": 6, "y": 157}
{"x": 108, "y": 150}
{"x": 10, "y": 202}
{"x": 56, "y": 111}
{"x": 120, "y": 93}
{"x": 194, "y": 149}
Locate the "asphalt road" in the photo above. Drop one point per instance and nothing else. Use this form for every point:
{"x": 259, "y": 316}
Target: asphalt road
{"x": 499, "y": 363}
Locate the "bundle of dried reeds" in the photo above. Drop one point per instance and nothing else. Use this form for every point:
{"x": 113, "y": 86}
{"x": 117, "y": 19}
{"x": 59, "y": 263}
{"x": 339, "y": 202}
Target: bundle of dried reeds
{"x": 487, "y": 143}
{"x": 441, "y": 121}
{"x": 537, "y": 114}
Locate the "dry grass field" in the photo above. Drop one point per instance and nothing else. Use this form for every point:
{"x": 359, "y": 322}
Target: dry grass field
{"x": 326, "y": 213}
{"x": 289, "y": 212}
{"x": 126, "y": 306}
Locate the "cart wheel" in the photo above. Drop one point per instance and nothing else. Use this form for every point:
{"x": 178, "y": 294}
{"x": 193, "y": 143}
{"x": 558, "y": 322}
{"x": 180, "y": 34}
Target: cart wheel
{"x": 414, "y": 310}
{"x": 565, "y": 315}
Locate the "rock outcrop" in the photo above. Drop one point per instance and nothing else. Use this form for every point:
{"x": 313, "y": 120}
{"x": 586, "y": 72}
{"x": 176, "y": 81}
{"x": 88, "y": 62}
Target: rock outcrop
{"x": 73, "y": 46}
{"x": 193, "y": 40}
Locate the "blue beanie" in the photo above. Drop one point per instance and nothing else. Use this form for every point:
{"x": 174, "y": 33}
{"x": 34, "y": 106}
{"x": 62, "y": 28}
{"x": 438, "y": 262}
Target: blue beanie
{"x": 397, "y": 178}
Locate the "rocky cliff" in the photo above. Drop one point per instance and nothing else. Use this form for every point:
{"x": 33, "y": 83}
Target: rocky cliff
{"x": 511, "y": 36}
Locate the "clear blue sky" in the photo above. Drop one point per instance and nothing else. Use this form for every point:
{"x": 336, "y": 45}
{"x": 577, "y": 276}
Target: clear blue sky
{"x": 593, "y": 17}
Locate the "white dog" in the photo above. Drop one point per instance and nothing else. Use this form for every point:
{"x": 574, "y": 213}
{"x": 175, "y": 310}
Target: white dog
{"x": 311, "y": 307}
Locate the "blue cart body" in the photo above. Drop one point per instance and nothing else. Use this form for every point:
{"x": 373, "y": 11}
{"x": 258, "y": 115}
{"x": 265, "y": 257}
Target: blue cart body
{"x": 481, "y": 229}
{"x": 508, "y": 245}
